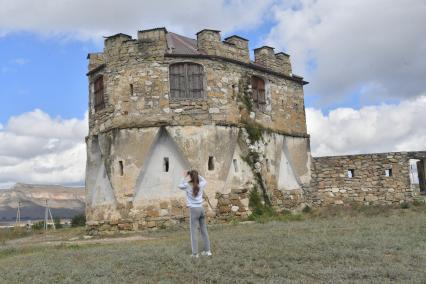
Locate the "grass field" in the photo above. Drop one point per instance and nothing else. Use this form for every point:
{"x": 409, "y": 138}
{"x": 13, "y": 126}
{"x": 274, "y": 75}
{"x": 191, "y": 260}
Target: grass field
{"x": 366, "y": 245}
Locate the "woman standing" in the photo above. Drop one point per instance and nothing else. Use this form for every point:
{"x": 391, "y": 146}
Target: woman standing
{"x": 194, "y": 185}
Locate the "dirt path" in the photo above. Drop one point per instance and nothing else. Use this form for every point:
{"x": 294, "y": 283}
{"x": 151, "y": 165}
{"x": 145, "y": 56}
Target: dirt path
{"x": 75, "y": 240}
{"x": 101, "y": 241}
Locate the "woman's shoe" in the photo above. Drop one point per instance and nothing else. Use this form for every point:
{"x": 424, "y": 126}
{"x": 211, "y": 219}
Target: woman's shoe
{"x": 206, "y": 253}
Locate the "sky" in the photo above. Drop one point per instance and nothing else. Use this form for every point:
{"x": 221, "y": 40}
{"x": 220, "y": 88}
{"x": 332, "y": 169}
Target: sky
{"x": 364, "y": 60}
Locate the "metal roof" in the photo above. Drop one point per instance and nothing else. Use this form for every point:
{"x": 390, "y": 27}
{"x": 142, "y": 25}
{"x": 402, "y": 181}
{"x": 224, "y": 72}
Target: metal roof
{"x": 178, "y": 44}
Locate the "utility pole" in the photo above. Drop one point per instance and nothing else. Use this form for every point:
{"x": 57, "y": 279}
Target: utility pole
{"x": 45, "y": 216}
{"x": 18, "y": 216}
{"x": 48, "y": 213}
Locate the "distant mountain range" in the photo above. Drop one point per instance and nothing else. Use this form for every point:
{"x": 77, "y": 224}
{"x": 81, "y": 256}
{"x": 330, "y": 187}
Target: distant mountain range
{"x": 64, "y": 202}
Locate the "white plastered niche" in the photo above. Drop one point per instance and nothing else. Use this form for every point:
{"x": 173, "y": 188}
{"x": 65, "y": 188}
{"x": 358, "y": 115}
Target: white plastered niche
{"x": 161, "y": 173}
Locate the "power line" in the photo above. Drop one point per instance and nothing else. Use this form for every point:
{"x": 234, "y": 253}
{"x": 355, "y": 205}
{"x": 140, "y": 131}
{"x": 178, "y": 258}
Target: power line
{"x": 18, "y": 216}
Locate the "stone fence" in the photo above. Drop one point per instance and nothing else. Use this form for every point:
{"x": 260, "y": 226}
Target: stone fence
{"x": 384, "y": 178}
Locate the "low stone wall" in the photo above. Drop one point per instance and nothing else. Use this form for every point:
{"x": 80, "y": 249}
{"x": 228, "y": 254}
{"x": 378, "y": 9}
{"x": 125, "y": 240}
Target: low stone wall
{"x": 376, "y": 179}
{"x": 222, "y": 209}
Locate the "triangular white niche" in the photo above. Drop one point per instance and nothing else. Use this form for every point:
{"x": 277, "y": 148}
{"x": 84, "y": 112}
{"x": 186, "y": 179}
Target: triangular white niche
{"x": 103, "y": 193}
{"x": 287, "y": 180}
{"x": 162, "y": 171}
{"x": 239, "y": 173}
{"x": 97, "y": 180}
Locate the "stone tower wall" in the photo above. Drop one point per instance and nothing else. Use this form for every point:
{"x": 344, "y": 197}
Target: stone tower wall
{"x": 140, "y": 64}
{"x": 141, "y": 126}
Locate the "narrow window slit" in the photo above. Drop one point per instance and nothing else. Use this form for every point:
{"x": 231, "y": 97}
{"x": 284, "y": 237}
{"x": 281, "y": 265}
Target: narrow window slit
{"x": 166, "y": 164}
{"x": 388, "y": 172}
{"x": 211, "y": 163}
{"x": 268, "y": 165}
{"x": 235, "y": 163}
{"x": 120, "y": 163}
{"x": 131, "y": 89}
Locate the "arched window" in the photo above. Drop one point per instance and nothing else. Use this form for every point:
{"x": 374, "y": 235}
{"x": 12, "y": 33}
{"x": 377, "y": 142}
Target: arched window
{"x": 99, "y": 93}
{"x": 186, "y": 81}
{"x": 258, "y": 91}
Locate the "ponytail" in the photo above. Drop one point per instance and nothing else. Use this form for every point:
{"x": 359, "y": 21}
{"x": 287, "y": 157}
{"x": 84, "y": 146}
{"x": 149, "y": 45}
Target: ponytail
{"x": 195, "y": 182}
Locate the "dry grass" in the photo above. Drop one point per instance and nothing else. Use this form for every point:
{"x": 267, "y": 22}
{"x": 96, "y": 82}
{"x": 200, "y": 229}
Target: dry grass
{"x": 11, "y": 233}
{"x": 363, "y": 245}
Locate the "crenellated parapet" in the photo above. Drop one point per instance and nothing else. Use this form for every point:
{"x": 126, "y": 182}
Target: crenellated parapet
{"x": 279, "y": 62}
{"x": 209, "y": 42}
{"x": 158, "y": 42}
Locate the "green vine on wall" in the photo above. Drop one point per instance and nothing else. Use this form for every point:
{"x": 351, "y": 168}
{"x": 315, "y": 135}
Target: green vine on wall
{"x": 244, "y": 95}
{"x": 255, "y": 135}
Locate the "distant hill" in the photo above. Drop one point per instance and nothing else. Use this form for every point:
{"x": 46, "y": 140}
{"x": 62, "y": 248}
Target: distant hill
{"x": 64, "y": 202}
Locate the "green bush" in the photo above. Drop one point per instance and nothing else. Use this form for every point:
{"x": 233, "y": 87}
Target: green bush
{"x": 254, "y": 131}
{"x": 78, "y": 220}
{"x": 307, "y": 209}
{"x": 57, "y": 222}
{"x": 255, "y": 202}
{"x": 257, "y": 207}
{"x": 244, "y": 96}
{"x": 38, "y": 225}
{"x": 404, "y": 205}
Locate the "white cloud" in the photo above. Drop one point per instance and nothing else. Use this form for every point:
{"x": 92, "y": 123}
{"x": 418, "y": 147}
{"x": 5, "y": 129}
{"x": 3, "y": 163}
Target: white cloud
{"x": 343, "y": 47}
{"x": 36, "y": 148}
{"x": 96, "y": 18}
{"x": 20, "y": 61}
{"x": 371, "y": 129}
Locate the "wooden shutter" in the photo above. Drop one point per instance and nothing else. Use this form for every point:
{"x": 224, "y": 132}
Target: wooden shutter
{"x": 186, "y": 81}
{"x": 258, "y": 90}
{"x": 195, "y": 81}
{"x": 99, "y": 93}
{"x": 177, "y": 81}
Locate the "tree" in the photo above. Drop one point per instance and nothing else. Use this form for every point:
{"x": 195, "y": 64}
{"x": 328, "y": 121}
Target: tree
{"x": 78, "y": 220}
{"x": 57, "y": 222}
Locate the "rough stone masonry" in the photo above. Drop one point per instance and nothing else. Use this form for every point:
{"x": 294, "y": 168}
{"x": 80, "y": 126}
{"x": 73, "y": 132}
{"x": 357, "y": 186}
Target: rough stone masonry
{"x": 164, "y": 103}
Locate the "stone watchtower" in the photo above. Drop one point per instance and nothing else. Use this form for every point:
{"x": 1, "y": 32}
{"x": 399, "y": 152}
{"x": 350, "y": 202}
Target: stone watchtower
{"x": 164, "y": 103}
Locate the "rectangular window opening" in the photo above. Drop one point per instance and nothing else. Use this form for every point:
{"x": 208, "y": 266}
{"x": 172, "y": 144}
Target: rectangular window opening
{"x": 418, "y": 175}
{"x": 388, "y": 172}
{"x": 258, "y": 92}
{"x": 120, "y": 163}
{"x": 186, "y": 81}
{"x": 421, "y": 172}
{"x": 211, "y": 163}
{"x": 351, "y": 173}
{"x": 99, "y": 93}
{"x": 166, "y": 164}
{"x": 131, "y": 89}
{"x": 235, "y": 163}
